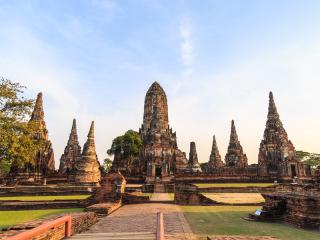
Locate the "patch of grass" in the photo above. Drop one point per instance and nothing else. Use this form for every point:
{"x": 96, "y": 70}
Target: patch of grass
{"x": 44, "y": 198}
{"x": 227, "y": 220}
{"x": 171, "y": 195}
{"x": 206, "y": 185}
{"x": 234, "y": 198}
{"x": 10, "y": 218}
{"x": 147, "y": 194}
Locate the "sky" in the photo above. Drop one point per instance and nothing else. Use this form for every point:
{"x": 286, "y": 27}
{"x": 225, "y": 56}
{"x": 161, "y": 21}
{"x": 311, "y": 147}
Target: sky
{"x": 216, "y": 60}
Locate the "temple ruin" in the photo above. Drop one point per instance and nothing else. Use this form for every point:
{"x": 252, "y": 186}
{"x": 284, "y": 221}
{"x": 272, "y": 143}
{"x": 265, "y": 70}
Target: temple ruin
{"x": 159, "y": 156}
{"x": 44, "y": 159}
{"x": 277, "y": 155}
{"x": 215, "y": 161}
{"x": 193, "y": 163}
{"x": 235, "y": 156}
{"x": 71, "y": 154}
{"x": 88, "y": 167}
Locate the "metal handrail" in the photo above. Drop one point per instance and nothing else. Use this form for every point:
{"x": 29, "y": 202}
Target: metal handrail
{"x": 29, "y": 234}
{"x": 160, "y": 226}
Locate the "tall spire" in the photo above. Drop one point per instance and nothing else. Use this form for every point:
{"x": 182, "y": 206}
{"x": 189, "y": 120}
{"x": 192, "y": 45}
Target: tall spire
{"x": 235, "y": 156}
{"x": 233, "y": 134}
{"x": 275, "y": 147}
{"x": 272, "y": 110}
{"x": 45, "y": 156}
{"x": 215, "y": 157}
{"x": 73, "y": 137}
{"x": 72, "y": 152}
{"x": 38, "y": 113}
{"x": 88, "y": 168}
{"x": 194, "y": 165}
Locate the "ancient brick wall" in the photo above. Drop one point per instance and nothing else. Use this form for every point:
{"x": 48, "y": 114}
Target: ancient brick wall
{"x": 80, "y": 222}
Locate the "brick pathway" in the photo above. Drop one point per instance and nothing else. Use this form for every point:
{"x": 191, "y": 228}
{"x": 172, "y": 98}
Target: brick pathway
{"x": 160, "y": 197}
{"x": 143, "y": 218}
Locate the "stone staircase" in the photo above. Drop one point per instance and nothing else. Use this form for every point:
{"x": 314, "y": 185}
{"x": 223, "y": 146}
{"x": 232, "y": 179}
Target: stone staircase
{"x": 116, "y": 236}
{"x": 159, "y": 188}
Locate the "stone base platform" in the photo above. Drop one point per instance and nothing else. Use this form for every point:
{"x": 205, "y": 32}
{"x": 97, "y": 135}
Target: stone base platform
{"x": 33, "y": 205}
{"x": 103, "y": 209}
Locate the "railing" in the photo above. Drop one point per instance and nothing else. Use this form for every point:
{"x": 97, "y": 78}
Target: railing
{"x": 27, "y": 235}
{"x": 160, "y": 226}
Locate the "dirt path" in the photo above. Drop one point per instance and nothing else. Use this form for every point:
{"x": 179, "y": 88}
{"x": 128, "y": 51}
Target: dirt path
{"x": 142, "y": 218}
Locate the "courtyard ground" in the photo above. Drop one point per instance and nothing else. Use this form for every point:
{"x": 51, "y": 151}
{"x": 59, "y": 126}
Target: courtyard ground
{"x": 227, "y": 220}
{"x": 10, "y": 218}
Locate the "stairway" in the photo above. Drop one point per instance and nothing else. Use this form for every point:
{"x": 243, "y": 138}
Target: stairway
{"x": 116, "y": 236}
{"x": 159, "y": 188}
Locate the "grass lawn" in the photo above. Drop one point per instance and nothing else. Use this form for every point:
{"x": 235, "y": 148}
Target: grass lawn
{"x": 234, "y": 198}
{"x": 45, "y": 198}
{"x": 171, "y": 196}
{"x": 10, "y": 218}
{"x": 226, "y": 220}
{"x": 205, "y": 185}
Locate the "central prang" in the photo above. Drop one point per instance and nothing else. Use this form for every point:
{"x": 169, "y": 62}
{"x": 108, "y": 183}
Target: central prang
{"x": 159, "y": 155}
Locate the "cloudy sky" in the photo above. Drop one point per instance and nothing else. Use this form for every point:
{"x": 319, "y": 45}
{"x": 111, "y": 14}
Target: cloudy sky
{"x": 216, "y": 60}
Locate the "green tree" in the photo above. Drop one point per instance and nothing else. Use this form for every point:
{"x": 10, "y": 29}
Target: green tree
{"x": 107, "y": 164}
{"x": 16, "y": 146}
{"x": 313, "y": 159}
{"x": 127, "y": 146}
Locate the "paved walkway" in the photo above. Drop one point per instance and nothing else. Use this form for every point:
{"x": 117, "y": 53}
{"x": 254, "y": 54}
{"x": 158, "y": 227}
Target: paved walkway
{"x": 143, "y": 218}
{"x": 160, "y": 197}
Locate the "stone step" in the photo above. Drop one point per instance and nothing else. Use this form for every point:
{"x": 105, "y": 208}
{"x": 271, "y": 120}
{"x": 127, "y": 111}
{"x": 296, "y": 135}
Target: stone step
{"x": 116, "y": 236}
{"x": 159, "y": 188}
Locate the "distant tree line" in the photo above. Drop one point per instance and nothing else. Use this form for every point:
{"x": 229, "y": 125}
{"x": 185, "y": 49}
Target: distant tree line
{"x": 313, "y": 159}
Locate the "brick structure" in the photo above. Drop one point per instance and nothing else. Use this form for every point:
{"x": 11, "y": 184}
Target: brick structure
{"x": 159, "y": 156}
{"x": 193, "y": 163}
{"x": 88, "y": 168}
{"x": 295, "y": 204}
{"x": 44, "y": 159}
{"x": 235, "y": 156}
{"x": 215, "y": 161}
{"x": 277, "y": 155}
{"x": 71, "y": 154}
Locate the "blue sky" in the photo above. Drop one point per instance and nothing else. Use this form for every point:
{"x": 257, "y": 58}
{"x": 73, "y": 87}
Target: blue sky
{"x": 216, "y": 60}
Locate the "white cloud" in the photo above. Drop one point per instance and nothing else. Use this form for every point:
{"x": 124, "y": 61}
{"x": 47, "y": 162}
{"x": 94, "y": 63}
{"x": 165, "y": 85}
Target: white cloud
{"x": 186, "y": 45}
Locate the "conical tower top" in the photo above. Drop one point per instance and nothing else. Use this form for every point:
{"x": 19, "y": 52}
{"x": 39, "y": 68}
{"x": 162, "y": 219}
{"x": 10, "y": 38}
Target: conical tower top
{"x": 89, "y": 147}
{"x": 73, "y": 138}
{"x": 233, "y": 134}
{"x": 272, "y": 111}
{"x": 38, "y": 113}
{"x": 214, "y": 144}
{"x": 91, "y": 131}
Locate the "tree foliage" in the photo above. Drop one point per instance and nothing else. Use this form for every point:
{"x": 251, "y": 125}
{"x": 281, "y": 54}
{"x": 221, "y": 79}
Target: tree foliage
{"x": 127, "y": 145}
{"x": 313, "y": 159}
{"x": 107, "y": 164}
{"x": 16, "y": 145}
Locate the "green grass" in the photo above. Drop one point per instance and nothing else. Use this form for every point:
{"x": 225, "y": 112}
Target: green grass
{"x": 10, "y": 218}
{"x": 44, "y": 198}
{"x": 171, "y": 195}
{"x": 226, "y": 220}
{"x": 206, "y": 185}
